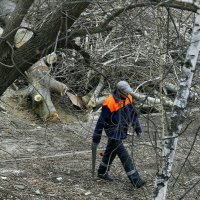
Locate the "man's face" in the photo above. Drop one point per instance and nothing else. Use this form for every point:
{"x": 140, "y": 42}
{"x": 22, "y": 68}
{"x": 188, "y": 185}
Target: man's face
{"x": 123, "y": 94}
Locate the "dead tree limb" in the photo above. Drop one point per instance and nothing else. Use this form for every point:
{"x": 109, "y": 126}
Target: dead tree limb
{"x": 150, "y": 101}
{"x": 92, "y": 101}
{"x": 174, "y": 88}
{"x": 189, "y": 5}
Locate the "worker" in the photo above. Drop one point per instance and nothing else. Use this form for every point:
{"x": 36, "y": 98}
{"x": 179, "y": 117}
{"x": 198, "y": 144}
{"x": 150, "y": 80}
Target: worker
{"x": 116, "y": 116}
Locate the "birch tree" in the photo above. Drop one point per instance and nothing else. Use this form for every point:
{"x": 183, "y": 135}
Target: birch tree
{"x": 178, "y": 114}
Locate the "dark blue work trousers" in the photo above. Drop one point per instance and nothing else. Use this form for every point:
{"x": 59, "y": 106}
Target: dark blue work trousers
{"x": 113, "y": 148}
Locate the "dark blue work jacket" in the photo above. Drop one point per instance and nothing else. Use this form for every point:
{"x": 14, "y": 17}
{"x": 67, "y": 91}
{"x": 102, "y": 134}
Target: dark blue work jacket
{"x": 116, "y": 116}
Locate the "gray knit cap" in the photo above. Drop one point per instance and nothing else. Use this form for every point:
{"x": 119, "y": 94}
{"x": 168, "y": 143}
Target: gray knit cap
{"x": 124, "y": 87}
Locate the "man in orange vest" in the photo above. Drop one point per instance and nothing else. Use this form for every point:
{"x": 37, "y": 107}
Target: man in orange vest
{"x": 116, "y": 116}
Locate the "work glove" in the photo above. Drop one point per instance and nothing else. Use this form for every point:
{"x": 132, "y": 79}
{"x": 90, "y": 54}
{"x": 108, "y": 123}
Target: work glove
{"x": 96, "y": 139}
{"x": 137, "y": 130}
{"x": 138, "y": 133}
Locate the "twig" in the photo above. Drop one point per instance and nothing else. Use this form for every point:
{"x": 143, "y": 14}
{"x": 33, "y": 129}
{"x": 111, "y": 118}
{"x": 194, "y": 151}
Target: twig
{"x": 145, "y": 82}
{"x": 112, "y": 60}
{"x": 110, "y": 50}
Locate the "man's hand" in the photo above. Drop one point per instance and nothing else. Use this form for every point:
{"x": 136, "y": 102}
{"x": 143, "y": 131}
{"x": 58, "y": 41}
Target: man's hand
{"x": 101, "y": 153}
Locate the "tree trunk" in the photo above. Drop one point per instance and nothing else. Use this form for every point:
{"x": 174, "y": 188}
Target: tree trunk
{"x": 16, "y": 64}
{"x": 178, "y": 113}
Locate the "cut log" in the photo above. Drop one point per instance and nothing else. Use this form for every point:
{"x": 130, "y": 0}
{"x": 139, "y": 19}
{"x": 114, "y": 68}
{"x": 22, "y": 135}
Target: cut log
{"x": 22, "y": 36}
{"x": 146, "y": 103}
{"x": 41, "y": 84}
{"x": 92, "y": 100}
{"x": 152, "y": 101}
{"x": 173, "y": 88}
{"x": 77, "y": 101}
{"x": 40, "y": 87}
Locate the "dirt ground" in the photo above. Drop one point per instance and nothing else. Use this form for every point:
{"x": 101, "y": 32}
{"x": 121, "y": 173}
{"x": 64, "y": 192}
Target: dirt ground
{"x": 41, "y": 161}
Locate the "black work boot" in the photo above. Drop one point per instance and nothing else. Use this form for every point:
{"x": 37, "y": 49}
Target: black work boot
{"x": 139, "y": 183}
{"x": 105, "y": 176}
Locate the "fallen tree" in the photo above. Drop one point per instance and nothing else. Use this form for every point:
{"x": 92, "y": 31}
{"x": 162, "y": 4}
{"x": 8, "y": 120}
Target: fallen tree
{"x": 41, "y": 84}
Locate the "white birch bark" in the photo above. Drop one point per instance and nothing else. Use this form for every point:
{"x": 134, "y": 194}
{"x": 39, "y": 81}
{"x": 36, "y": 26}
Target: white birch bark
{"x": 151, "y": 101}
{"x": 178, "y": 117}
{"x": 174, "y": 88}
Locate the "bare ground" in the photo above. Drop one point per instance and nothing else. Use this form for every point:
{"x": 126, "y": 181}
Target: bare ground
{"x": 53, "y": 161}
